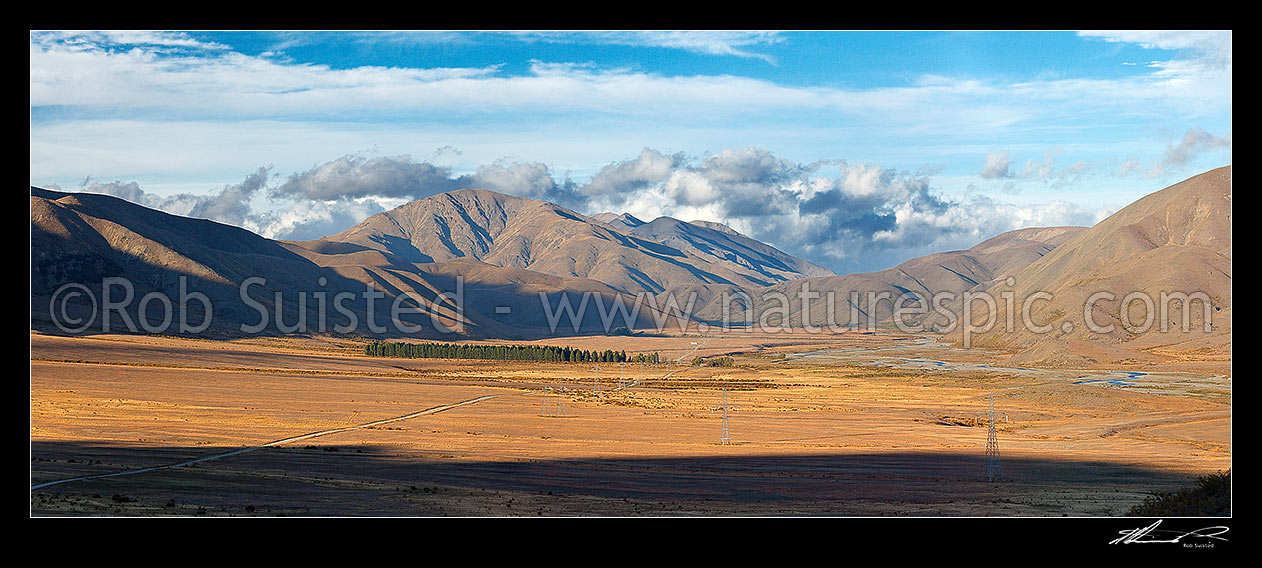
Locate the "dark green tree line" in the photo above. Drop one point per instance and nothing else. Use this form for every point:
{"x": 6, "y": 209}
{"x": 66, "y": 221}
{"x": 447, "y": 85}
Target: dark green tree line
{"x": 503, "y": 353}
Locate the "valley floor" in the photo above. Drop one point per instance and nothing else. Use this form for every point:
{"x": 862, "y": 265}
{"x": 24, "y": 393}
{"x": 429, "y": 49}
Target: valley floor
{"x": 850, "y": 424}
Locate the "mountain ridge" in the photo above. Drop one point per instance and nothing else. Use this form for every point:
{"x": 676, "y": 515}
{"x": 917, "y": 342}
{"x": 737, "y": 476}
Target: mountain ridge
{"x": 1185, "y": 228}
{"x": 509, "y": 252}
{"x": 620, "y": 250}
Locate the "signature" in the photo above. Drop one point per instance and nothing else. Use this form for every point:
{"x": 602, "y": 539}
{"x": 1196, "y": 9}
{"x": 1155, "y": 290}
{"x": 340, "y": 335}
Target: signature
{"x": 1150, "y": 534}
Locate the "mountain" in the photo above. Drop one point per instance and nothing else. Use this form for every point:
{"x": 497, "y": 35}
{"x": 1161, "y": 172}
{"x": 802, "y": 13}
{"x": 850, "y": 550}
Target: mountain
{"x": 80, "y": 240}
{"x": 501, "y": 251}
{"x": 846, "y": 299}
{"x": 498, "y": 255}
{"x": 719, "y": 244}
{"x": 516, "y": 232}
{"x": 624, "y": 222}
{"x": 83, "y": 238}
{"x": 1174, "y": 241}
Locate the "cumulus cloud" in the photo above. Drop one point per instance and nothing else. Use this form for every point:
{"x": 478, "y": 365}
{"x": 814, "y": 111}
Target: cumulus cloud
{"x": 309, "y": 220}
{"x": 335, "y": 195}
{"x": 356, "y": 176}
{"x": 847, "y": 216}
{"x": 130, "y": 191}
{"x": 1129, "y": 166}
{"x": 1196, "y": 149}
{"x": 1045, "y": 169}
{"x": 230, "y": 205}
{"x": 525, "y": 179}
{"x": 1195, "y": 141}
{"x": 854, "y": 217}
{"x": 633, "y": 175}
{"x": 359, "y": 176}
{"x": 996, "y": 166}
{"x": 299, "y": 219}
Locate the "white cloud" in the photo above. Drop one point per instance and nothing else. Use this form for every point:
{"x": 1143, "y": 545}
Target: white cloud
{"x": 996, "y": 166}
{"x": 526, "y": 179}
{"x": 1163, "y": 39}
{"x": 690, "y": 189}
{"x": 201, "y": 108}
{"x": 230, "y": 204}
{"x": 222, "y": 83}
{"x": 309, "y": 220}
{"x": 165, "y": 104}
{"x": 711, "y": 42}
{"x": 1195, "y": 141}
{"x": 1202, "y": 63}
{"x": 854, "y": 217}
{"x": 628, "y": 175}
{"x": 359, "y": 176}
{"x": 858, "y": 217}
{"x": 1129, "y": 166}
{"x": 92, "y": 40}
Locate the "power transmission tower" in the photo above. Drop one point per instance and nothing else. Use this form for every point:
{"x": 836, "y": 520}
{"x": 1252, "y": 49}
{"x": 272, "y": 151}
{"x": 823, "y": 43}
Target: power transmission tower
{"x": 557, "y": 408}
{"x": 994, "y": 469}
{"x": 725, "y": 437}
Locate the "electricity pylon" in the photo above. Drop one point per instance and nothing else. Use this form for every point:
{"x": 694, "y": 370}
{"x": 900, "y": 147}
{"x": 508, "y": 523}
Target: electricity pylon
{"x": 557, "y": 409}
{"x": 994, "y": 468}
{"x": 725, "y": 437}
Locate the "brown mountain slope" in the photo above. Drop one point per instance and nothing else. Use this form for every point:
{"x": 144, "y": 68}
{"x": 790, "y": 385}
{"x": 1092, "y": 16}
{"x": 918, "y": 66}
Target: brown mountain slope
{"x": 839, "y": 301}
{"x": 719, "y": 244}
{"x": 1174, "y": 241}
{"x": 515, "y": 232}
{"x": 84, "y": 239}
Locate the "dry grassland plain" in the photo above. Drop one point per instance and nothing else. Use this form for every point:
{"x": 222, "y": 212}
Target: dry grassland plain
{"x": 843, "y": 424}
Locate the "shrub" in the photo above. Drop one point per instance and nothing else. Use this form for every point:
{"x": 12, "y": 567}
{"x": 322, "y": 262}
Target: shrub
{"x": 1210, "y": 498}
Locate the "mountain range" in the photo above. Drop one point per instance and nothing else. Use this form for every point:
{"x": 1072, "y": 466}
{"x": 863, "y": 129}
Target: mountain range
{"x": 515, "y": 232}
{"x": 493, "y": 255}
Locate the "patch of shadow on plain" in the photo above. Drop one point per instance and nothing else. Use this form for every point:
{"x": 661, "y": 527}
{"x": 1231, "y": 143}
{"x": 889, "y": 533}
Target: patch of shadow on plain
{"x": 322, "y": 477}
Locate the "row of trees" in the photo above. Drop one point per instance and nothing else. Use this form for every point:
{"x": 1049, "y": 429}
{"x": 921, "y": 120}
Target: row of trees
{"x": 503, "y": 353}
{"x": 721, "y": 361}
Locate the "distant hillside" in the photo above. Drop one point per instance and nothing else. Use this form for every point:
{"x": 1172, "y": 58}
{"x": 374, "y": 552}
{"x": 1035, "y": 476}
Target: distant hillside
{"x": 921, "y": 277}
{"x": 1177, "y": 240}
{"x": 515, "y": 232}
{"x": 504, "y": 252}
{"x": 718, "y": 244}
{"x": 83, "y": 239}
{"x": 86, "y": 238}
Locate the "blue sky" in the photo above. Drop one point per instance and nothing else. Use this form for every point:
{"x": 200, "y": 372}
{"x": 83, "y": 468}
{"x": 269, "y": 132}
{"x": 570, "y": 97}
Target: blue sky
{"x": 855, "y": 150}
